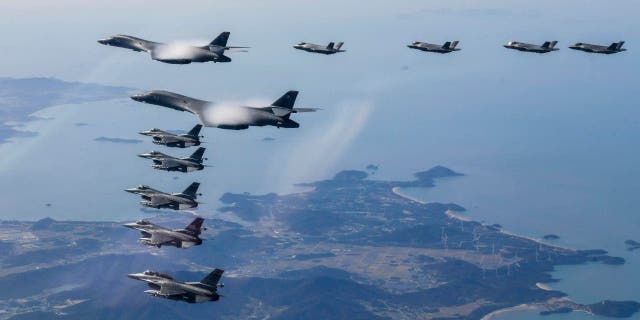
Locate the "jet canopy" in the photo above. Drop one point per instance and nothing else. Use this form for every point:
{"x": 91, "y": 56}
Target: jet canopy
{"x": 157, "y": 274}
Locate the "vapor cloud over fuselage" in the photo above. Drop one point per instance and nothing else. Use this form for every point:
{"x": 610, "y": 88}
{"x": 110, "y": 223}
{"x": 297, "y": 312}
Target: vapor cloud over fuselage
{"x": 225, "y": 115}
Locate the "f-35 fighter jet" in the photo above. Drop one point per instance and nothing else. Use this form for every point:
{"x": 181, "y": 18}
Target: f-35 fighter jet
{"x": 155, "y": 235}
{"x": 316, "y": 48}
{"x": 164, "y": 286}
{"x": 191, "y": 138}
{"x": 429, "y": 47}
{"x": 166, "y": 162}
{"x": 520, "y": 46}
{"x": 613, "y": 48}
{"x": 225, "y": 117}
{"x": 174, "y": 53}
{"x": 157, "y": 199}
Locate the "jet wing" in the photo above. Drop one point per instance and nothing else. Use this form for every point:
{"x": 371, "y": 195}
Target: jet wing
{"x": 158, "y": 238}
{"x": 159, "y": 201}
{"x": 297, "y": 110}
{"x": 169, "y": 290}
{"x": 167, "y": 163}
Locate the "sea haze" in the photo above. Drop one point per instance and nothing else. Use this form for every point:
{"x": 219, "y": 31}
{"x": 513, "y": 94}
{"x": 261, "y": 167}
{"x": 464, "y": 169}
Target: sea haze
{"x": 547, "y": 143}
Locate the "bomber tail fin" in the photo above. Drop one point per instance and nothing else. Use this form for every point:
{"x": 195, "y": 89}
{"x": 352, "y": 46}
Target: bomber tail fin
{"x": 213, "y": 278}
{"x": 221, "y": 40}
{"x": 195, "y": 226}
{"x": 195, "y": 131}
{"x": 287, "y": 100}
{"x": 197, "y": 155}
{"x": 192, "y": 190}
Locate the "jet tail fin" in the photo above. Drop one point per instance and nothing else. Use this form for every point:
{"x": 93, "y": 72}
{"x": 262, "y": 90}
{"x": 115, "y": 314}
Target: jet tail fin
{"x": 446, "y": 45}
{"x": 196, "y": 225}
{"x": 287, "y": 100}
{"x": 454, "y": 44}
{"x": 221, "y": 40}
{"x": 616, "y": 45}
{"x": 192, "y": 190}
{"x": 195, "y": 131}
{"x": 213, "y": 278}
{"x": 330, "y": 46}
{"x": 339, "y": 45}
{"x": 197, "y": 155}
{"x": 549, "y": 44}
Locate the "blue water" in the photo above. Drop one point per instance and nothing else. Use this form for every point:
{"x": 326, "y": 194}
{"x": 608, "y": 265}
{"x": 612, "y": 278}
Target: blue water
{"x": 549, "y": 143}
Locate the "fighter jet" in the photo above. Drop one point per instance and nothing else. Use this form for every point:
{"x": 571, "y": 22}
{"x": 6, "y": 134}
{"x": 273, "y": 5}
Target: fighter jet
{"x": 155, "y": 235}
{"x": 613, "y": 48}
{"x": 316, "y": 48}
{"x": 161, "y": 137}
{"x": 520, "y": 46}
{"x": 175, "y": 53}
{"x": 429, "y": 47}
{"x": 157, "y": 199}
{"x": 164, "y": 286}
{"x": 166, "y": 162}
{"x": 234, "y": 118}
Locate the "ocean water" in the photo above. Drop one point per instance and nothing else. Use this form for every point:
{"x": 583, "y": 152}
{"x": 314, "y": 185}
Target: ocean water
{"x": 548, "y": 143}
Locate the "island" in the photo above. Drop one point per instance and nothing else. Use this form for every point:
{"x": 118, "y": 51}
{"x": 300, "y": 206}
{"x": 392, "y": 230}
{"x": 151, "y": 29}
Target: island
{"x": 350, "y": 247}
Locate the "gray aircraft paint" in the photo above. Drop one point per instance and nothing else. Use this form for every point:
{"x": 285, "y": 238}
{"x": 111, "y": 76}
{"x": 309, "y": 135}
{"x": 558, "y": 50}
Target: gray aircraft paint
{"x": 527, "y": 47}
{"x": 155, "y": 235}
{"x": 160, "y": 137}
{"x": 166, "y": 162}
{"x": 594, "y": 48}
{"x": 174, "y": 53}
{"x": 331, "y": 48}
{"x": 430, "y": 47}
{"x": 224, "y": 117}
{"x": 159, "y": 200}
{"x": 164, "y": 286}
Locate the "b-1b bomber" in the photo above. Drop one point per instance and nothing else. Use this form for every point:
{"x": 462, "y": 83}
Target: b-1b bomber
{"x": 164, "y": 286}
{"x": 227, "y": 117}
{"x": 175, "y": 53}
{"x": 166, "y": 162}
{"x": 155, "y": 235}
{"x": 189, "y": 139}
{"x": 160, "y": 200}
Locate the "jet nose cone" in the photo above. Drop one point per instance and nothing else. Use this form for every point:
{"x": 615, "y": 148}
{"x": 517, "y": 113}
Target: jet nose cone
{"x": 137, "y": 97}
{"x": 129, "y": 225}
{"x": 132, "y": 190}
{"x": 134, "y": 276}
{"x": 145, "y": 155}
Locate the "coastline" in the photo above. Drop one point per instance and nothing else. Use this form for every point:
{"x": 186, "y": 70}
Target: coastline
{"x": 453, "y": 215}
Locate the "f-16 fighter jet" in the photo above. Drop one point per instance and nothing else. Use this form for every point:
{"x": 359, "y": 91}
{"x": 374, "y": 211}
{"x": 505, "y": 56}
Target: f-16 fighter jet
{"x": 316, "y": 48}
{"x": 159, "y": 200}
{"x": 226, "y": 117}
{"x": 165, "y": 162}
{"x": 155, "y": 235}
{"x": 174, "y": 53}
{"x": 520, "y": 46}
{"x": 191, "y": 138}
{"x": 613, "y": 48}
{"x": 429, "y": 47}
{"x": 164, "y": 286}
